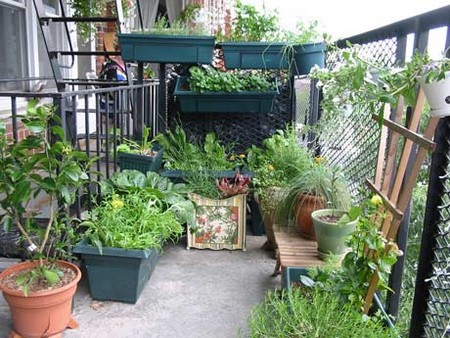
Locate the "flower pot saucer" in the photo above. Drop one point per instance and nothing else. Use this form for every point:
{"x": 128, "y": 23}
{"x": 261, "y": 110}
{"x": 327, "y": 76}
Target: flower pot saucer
{"x": 73, "y": 324}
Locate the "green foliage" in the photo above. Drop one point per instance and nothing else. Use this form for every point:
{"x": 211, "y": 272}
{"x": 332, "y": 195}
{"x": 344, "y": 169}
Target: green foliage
{"x": 144, "y": 147}
{"x": 312, "y": 312}
{"x": 280, "y": 159}
{"x": 173, "y": 196}
{"x": 184, "y": 25}
{"x": 366, "y": 85}
{"x": 371, "y": 254}
{"x": 208, "y": 79}
{"x": 251, "y": 25}
{"x": 42, "y": 164}
{"x": 131, "y": 221}
{"x": 88, "y": 9}
{"x": 211, "y": 154}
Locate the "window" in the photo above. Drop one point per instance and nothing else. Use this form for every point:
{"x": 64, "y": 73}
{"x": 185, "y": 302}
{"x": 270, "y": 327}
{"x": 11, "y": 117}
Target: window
{"x": 13, "y": 55}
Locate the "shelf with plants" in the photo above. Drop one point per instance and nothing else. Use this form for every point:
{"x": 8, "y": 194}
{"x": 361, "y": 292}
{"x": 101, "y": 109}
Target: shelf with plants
{"x": 183, "y": 41}
{"x": 208, "y": 90}
{"x": 256, "y": 42}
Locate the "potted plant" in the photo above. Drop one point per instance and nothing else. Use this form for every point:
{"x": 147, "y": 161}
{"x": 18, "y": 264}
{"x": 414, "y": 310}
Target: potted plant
{"x": 126, "y": 231}
{"x": 140, "y": 156}
{"x": 220, "y": 211}
{"x": 182, "y": 156}
{"x": 208, "y": 90}
{"x": 185, "y": 41}
{"x": 274, "y": 164}
{"x": 39, "y": 292}
{"x": 319, "y": 185}
{"x": 256, "y": 42}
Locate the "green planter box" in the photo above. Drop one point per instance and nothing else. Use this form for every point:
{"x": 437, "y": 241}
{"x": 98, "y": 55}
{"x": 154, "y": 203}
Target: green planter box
{"x": 142, "y": 163}
{"x": 291, "y": 275}
{"x": 271, "y": 55}
{"x": 257, "y": 224}
{"x": 222, "y": 102}
{"x": 166, "y": 48}
{"x": 118, "y": 274}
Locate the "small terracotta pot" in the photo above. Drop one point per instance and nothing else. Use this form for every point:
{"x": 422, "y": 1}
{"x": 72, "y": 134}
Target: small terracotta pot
{"x": 40, "y": 314}
{"x": 306, "y": 205}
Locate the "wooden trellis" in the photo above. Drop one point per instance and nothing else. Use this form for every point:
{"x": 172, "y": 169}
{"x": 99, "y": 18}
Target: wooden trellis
{"x": 401, "y": 153}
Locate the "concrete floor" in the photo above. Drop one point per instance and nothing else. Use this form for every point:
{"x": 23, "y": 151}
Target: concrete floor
{"x": 191, "y": 294}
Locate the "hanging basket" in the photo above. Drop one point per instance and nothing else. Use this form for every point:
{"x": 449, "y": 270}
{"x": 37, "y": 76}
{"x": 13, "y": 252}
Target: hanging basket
{"x": 438, "y": 96}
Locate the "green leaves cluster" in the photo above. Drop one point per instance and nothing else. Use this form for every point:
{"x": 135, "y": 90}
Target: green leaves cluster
{"x": 144, "y": 147}
{"x": 41, "y": 164}
{"x": 362, "y": 85}
{"x": 138, "y": 211}
{"x": 312, "y": 312}
{"x": 208, "y": 79}
{"x": 182, "y": 154}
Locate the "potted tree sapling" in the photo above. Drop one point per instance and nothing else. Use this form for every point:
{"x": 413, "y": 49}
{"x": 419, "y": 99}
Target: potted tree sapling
{"x": 39, "y": 292}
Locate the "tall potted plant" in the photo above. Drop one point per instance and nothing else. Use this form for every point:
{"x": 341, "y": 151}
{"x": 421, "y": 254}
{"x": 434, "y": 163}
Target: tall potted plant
{"x": 126, "y": 232}
{"x": 39, "y": 292}
{"x": 314, "y": 188}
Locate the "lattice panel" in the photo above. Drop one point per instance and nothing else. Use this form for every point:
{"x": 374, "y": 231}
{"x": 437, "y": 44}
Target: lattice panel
{"x": 438, "y": 304}
{"x": 352, "y": 140}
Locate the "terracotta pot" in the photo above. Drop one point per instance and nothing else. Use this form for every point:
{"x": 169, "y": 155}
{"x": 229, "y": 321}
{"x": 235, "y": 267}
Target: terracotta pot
{"x": 40, "y": 314}
{"x": 306, "y": 205}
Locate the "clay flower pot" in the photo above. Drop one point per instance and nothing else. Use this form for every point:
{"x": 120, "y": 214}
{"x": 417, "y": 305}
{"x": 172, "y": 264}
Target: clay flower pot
{"x": 40, "y": 314}
{"x": 306, "y": 205}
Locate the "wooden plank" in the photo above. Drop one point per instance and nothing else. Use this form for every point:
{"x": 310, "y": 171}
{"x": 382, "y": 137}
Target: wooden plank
{"x": 382, "y": 148}
{"x": 391, "y": 206}
{"x": 392, "y": 152}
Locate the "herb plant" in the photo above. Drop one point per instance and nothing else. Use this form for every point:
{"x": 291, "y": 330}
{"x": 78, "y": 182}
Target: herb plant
{"x": 145, "y": 147}
{"x": 208, "y": 79}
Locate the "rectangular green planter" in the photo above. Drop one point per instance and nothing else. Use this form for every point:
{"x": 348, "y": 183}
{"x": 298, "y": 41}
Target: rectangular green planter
{"x": 142, "y": 163}
{"x": 166, "y": 48}
{"x": 257, "y": 224}
{"x": 271, "y": 55}
{"x": 118, "y": 274}
{"x": 222, "y": 102}
{"x": 291, "y": 275}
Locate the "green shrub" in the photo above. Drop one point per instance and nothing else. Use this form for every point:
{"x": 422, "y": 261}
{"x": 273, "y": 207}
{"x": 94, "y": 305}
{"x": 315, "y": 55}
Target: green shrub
{"x": 309, "y": 313}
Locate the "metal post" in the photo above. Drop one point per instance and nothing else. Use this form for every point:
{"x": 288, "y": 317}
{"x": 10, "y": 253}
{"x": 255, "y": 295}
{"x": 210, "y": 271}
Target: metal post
{"x": 162, "y": 100}
{"x": 434, "y": 199}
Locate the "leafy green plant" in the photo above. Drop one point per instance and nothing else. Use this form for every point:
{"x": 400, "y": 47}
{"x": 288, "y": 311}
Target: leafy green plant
{"x": 312, "y": 312}
{"x": 184, "y": 25}
{"x": 145, "y": 147}
{"x": 41, "y": 164}
{"x": 371, "y": 253}
{"x": 138, "y": 211}
{"x": 280, "y": 158}
{"x": 365, "y": 85}
{"x": 181, "y": 154}
{"x": 204, "y": 79}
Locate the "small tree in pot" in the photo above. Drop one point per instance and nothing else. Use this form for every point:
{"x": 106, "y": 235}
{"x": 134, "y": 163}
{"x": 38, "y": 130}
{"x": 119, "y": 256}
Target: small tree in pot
{"x": 42, "y": 164}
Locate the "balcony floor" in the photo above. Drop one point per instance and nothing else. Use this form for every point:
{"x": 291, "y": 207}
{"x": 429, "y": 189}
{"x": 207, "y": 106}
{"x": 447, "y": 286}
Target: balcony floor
{"x": 192, "y": 293}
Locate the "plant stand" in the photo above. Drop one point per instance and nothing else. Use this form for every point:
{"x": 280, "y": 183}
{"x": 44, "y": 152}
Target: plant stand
{"x": 220, "y": 223}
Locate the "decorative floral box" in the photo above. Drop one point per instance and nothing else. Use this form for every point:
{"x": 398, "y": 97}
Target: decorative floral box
{"x": 220, "y": 223}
